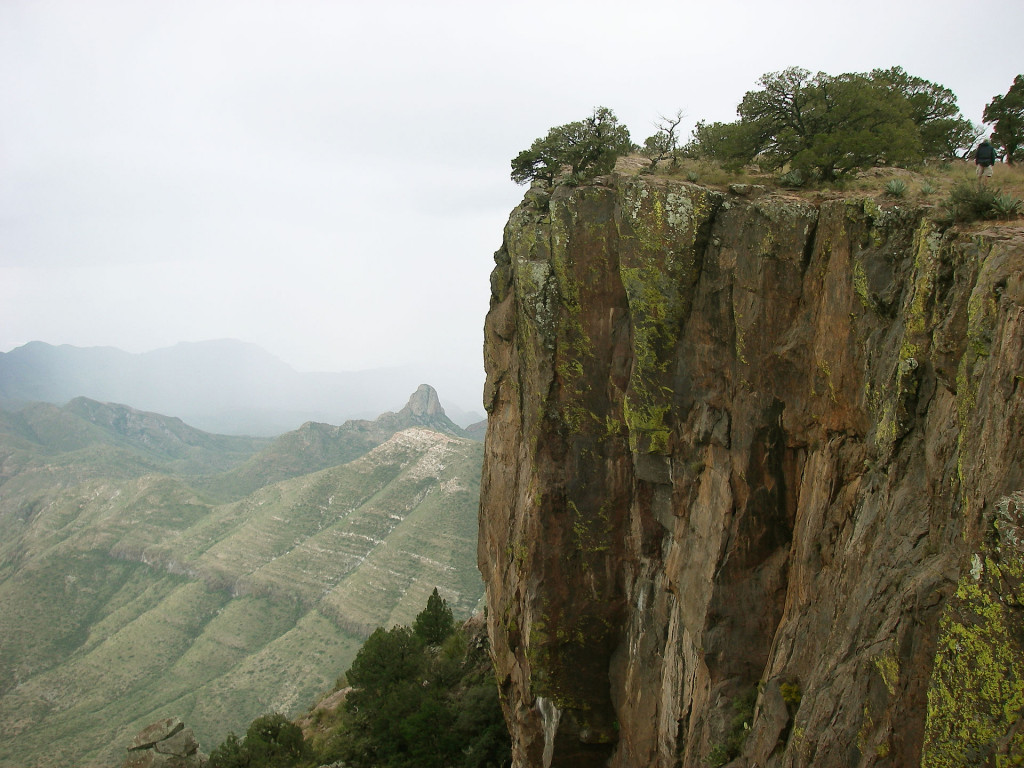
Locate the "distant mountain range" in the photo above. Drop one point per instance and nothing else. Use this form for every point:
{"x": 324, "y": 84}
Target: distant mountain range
{"x": 224, "y": 386}
{"x": 149, "y": 569}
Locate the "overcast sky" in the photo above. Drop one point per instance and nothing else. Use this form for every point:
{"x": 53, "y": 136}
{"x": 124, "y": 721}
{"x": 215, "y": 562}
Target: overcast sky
{"x": 329, "y": 180}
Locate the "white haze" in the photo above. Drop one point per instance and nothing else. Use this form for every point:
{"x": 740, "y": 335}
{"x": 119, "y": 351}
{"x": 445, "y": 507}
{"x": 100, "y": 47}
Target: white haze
{"x": 329, "y": 180}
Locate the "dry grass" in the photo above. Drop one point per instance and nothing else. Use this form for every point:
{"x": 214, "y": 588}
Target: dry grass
{"x": 927, "y": 184}
{"x": 934, "y": 182}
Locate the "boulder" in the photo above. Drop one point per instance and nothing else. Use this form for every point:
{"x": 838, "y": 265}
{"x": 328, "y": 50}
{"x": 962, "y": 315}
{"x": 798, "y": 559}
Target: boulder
{"x": 166, "y": 743}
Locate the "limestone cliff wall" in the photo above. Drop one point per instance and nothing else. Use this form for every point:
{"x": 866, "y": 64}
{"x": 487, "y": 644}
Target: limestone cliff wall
{"x": 749, "y": 482}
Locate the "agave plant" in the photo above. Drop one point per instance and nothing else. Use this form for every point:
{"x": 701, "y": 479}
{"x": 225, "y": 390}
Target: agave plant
{"x": 1006, "y": 205}
{"x": 896, "y": 188}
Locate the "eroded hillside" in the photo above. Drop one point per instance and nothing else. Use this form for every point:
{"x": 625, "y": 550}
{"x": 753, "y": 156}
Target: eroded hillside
{"x": 131, "y": 592}
{"x": 752, "y": 480}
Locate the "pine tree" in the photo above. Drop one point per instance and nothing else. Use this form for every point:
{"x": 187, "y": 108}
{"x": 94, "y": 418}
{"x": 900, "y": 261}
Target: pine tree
{"x": 435, "y": 622}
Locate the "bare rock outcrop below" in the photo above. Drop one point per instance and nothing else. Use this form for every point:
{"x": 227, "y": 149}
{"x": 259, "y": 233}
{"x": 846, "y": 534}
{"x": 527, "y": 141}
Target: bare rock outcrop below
{"x": 165, "y": 744}
{"x": 751, "y": 492}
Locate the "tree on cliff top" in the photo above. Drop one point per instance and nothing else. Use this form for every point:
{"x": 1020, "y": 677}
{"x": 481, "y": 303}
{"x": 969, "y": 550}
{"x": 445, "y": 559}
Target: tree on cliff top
{"x": 934, "y": 111}
{"x": 828, "y": 126}
{"x": 664, "y": 144}
{"x": 420, "y": 705}
{"x": 1007, "y": 113}
{"x": 588, "y": 147}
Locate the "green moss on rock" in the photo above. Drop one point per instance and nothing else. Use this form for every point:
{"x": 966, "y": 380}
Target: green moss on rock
{"x": 976, "y": 694}
{"x": 661, "y": 233}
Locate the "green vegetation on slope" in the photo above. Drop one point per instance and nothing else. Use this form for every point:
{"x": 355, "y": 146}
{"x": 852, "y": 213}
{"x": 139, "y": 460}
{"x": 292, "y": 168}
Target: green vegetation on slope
{"x": 420, "y": 697}
{"x": 134, "y": 587}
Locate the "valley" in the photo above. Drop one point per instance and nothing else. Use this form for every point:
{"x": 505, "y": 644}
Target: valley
{"x": 150, "y": 570}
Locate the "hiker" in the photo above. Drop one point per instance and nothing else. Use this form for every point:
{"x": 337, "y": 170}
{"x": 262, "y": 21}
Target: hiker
{"x": 985, "y": 158}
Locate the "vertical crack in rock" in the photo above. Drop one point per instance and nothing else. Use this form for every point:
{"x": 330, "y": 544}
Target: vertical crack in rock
{"x": 742, "y": 454}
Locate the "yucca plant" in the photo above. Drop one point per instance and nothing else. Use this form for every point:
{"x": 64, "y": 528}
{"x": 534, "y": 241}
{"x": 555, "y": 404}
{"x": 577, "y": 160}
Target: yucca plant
{"x": 896, "y": 188}
{"x": 927, "y": 189}
{"x": 1005, "y": 205}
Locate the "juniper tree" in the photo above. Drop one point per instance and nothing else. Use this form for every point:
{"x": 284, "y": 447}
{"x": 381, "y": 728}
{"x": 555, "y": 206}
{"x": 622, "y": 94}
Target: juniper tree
{"x": 664, "y": 144}
{"x": 1007, "y": 113}
{"x": 587, "y": 147}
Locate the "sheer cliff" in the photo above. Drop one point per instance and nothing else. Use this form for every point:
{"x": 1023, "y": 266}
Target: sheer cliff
{"x": 751, "y": 491}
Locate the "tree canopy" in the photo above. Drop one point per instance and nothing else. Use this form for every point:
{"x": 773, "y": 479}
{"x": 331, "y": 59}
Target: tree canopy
{"x": 271, "y": 741}
{"x": 588, "y": 147}
{"x": 933, "y": 109}
{"x": 830, "y": 125}
{"x": 1007, "y": 114}
{"x": 435, "y": 622}
{"x": 418, "y": 698}
{"x": 821, "y": 126}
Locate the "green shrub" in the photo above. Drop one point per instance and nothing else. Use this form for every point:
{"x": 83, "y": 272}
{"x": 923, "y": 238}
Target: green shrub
{"x": 742, "y": 718}
{"x": 969, "y": 202}
{"x": 792, "y": 179}
{"x": 272, "y": 741}
{"x": 896, "y": 188}
{"x": 791, "y": 694}
{"x": 972, "y": 202}
{"x": 229, "y": 754}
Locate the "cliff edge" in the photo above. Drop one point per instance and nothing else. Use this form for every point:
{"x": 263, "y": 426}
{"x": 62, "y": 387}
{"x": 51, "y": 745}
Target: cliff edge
{"x": 751, "y": 486}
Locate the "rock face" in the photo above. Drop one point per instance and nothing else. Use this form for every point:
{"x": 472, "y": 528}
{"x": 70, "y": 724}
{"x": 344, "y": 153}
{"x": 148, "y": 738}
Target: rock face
{"x": 165, "y": 744}
{"x": 750, "y": 491}
{"x": 423, "y": 410}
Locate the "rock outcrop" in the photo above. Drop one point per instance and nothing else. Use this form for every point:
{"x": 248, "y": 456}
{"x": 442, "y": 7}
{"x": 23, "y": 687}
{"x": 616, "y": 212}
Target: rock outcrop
{"x": 751, "y": 481}
{"x": 165, "y": 744}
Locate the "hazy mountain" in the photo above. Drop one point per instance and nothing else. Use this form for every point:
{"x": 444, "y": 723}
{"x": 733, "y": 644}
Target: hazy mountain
{"x": 225, "y": 386}
{"x": 166, "y": 441}
{"x": 137, "y": 581}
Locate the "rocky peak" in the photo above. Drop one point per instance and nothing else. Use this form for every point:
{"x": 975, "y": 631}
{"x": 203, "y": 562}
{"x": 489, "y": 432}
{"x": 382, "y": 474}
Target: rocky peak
{"x": 423, "y": 410}
{"x": 424, "y": 403}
